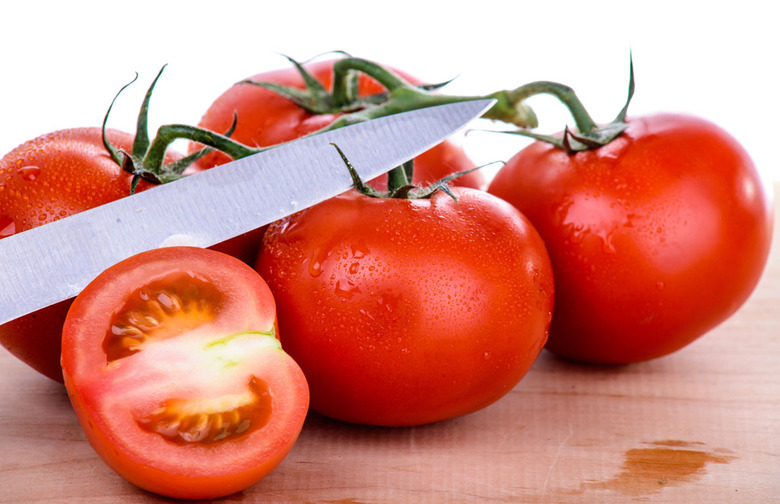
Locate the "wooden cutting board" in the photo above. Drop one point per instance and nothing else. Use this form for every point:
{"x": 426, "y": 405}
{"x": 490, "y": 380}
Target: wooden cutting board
{"x": 699, "y": 426}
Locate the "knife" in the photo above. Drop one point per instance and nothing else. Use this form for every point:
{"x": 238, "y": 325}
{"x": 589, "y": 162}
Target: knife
{"x": 53, "y": 262}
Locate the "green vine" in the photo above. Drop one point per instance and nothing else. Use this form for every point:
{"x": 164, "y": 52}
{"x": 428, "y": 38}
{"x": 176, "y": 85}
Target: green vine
{"x": 146, "y": 161}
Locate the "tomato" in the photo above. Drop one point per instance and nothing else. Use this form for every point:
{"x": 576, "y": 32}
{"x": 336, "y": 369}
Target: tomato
{"x": 655, "y": 238}
{"x": 266, "y": 118}
{"x": 48, "y": 178}
{"x": 409, "y": 311}
{"x": 43, "y": 180}
{"x": 172, "y": 364}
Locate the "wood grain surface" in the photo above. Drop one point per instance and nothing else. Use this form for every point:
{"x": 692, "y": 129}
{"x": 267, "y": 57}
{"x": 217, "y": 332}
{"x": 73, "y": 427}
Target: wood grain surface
{"x": 699, "y": 426}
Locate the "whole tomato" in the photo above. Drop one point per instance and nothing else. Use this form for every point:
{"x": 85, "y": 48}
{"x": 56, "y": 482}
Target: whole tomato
{"x": 43, "y": 180}
{"x": 51, "y": 177}
{"x": 409, "y": 311}
{"x": 655, "y": 238}
{"x": 172, "y": 364}
{"x": 266, "y": 118}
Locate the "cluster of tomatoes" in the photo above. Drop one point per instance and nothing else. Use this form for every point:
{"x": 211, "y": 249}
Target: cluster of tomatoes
{"x": 192, "y": 370}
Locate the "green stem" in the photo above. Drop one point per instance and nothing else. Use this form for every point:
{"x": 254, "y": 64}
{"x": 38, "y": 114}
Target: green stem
{"x": 397, "y": 178}
{"x": 155, "y": 155}
{"x": 342, "y": 68}
{"x": 563, "y": 93}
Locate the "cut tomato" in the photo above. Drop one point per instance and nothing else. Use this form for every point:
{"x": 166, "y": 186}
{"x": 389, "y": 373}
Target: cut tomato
{"x": 175, "y": 372}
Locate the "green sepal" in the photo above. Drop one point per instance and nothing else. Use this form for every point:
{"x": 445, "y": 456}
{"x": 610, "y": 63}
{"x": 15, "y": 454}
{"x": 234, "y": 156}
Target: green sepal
{"x": 146, "y": 162}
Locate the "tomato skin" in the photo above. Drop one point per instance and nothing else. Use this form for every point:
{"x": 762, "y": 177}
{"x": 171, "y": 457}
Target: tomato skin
{"x": 655, "y": 238}
{"x": 266, "y": 118}
{"x": 112, "y": 395}
{"x": 405, "y": 312}
{"x": 51, "y": 177}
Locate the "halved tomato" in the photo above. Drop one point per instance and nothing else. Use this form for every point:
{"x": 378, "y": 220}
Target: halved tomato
{"x": 175, "y": 372}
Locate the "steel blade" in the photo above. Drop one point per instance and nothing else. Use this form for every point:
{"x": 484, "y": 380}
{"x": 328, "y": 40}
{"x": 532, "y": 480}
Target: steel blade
{"x": 53, "y": 262}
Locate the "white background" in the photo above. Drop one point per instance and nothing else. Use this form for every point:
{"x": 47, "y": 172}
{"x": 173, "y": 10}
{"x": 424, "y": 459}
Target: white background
{"x": 62, "y": 62}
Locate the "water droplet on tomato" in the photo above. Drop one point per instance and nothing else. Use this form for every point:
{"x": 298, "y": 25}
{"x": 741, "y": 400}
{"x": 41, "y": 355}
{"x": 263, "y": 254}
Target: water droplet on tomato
{"x": 660, "y": 286}
{"x": 7, "y": 226}
{"x": 315, "y": 268}
{"x": 346, "y": 289}
{"x": 358, "y": 253}
{"x": 29, "y": 173}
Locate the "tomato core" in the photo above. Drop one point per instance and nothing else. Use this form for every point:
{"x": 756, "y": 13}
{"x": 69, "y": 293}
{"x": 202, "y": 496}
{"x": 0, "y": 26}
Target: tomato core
{"x": 160, "y": 309}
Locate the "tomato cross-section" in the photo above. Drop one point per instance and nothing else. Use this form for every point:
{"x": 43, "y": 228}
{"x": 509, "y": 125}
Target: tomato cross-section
{"x": 175, "y": 372}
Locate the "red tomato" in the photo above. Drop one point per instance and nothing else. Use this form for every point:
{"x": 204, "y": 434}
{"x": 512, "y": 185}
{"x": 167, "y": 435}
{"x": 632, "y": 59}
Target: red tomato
{"x": 172, "y": 364}
{"x": 266, "y": 118}
{"x": 405, "y": 312}
{"x": 43, "y": 180}
{"x": 655, "y": 238}
{"x": 51, "y": 177}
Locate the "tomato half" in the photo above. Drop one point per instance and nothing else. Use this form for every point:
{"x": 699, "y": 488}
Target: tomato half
{"x": 405, "y": 312}
{"x": 267, "y": 118}
{"x": 173, "y": 367}
{"x": 51, "y": 177}
{"x": 655, "y": 238}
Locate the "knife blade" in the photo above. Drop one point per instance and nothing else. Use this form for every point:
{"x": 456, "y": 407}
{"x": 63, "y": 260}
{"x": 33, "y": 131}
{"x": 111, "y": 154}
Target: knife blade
{"x": 54, "y": 262}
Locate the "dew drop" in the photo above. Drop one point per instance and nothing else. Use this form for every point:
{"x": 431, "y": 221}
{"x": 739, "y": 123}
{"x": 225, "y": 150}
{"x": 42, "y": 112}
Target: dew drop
{"x": 315, "y": 268}
{"x": 346, "y": 289}
{"x": 358, "y": 253}
{"x": 29, "y": 173}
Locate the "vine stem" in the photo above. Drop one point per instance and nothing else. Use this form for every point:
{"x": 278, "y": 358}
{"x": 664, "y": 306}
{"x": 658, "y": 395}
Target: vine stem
{"x": 401, "y": 96}
{"x": 563, "y": 93}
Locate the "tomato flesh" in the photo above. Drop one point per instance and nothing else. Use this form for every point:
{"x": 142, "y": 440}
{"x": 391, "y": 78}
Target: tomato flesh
{"x": 174, "y": 370}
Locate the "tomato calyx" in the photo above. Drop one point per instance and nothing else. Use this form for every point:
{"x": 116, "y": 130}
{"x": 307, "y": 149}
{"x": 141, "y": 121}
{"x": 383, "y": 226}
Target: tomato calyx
{"x": 588, "y": 135}
{"x": 399, "y": 185}
{"x": 146, "y": 160}
{"x": 345, "y": 98}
